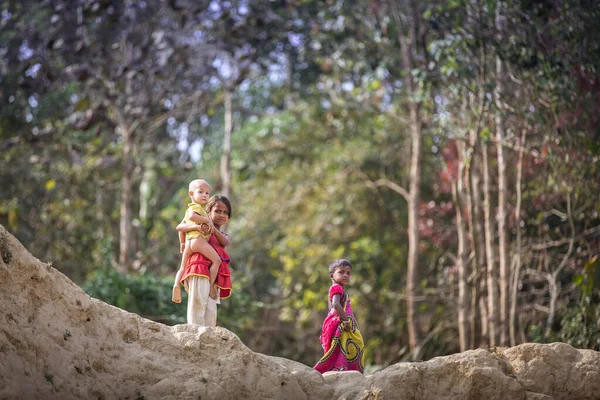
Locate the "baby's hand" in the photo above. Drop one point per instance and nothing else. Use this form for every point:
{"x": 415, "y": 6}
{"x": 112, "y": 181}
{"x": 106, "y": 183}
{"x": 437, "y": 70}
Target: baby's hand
{"x": 181, "y": 247}
{"x": 205, "y": 229}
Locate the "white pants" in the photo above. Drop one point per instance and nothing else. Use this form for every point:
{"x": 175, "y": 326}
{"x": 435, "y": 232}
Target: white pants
{"x": 201, "y": 309}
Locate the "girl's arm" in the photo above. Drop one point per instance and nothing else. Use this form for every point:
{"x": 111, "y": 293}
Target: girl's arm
{"x": 223, "y": 238}
{"x": 345, "y": 318}
{"x": 335, "y": 303}
{"x": 183, "y": 227}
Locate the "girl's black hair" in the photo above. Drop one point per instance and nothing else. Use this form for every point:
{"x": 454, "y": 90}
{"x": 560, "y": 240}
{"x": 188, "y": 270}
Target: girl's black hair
{"x": 218, "y": 198}
{"x": 338, "y": 264}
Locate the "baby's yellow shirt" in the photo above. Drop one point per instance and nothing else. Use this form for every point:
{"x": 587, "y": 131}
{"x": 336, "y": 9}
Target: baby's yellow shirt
{"x": 198, "y": 209}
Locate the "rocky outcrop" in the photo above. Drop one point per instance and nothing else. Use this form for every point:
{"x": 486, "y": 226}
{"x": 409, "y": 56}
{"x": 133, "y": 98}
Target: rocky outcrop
{"x": 58, "y": 343}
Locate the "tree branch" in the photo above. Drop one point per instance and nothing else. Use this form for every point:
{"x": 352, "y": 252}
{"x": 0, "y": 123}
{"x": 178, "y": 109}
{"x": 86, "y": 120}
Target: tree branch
{"x": 562, "y": 242}
{"x": 564, "y": 260}
{"x": 390, "y": 185}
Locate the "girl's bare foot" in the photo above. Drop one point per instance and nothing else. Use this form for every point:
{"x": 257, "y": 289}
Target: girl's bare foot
{"x": 176, "y": 297}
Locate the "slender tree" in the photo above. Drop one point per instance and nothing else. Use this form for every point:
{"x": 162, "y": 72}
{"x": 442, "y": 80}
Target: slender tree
{"x": 518, "y": 259}
{"x": 492, "y": 272}
{"x": 227, "y": 132}
{"x": 503, "y": 261}
{"x": 407, "y": 38}
{"x": 462, "y": 256}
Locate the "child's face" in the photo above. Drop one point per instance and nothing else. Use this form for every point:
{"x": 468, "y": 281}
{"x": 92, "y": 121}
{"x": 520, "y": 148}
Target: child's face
{"x": 219, "y": 214}
{"x": 342, "y": 275}
{"x": 200, "y": 194}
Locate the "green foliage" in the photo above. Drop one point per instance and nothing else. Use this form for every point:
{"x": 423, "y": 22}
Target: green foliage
{"x": 536, "y": 334}
{"x": 581, "y": 325}
{"x": 146, "y": 295}
{"x": 581, "y": 328}
{"x": 312, "y": 204}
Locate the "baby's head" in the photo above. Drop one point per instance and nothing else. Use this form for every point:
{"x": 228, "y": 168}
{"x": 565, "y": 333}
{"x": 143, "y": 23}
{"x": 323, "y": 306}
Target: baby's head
{"x": 197, "y": 183}
{"x": 199, "y": 191}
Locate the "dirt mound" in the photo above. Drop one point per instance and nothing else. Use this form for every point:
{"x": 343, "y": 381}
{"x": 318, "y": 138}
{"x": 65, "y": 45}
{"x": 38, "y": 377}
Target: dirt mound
{"x": 58, "y": 343}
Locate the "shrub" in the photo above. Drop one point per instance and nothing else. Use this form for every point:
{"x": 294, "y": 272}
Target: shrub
{"x": 146, "y": 295}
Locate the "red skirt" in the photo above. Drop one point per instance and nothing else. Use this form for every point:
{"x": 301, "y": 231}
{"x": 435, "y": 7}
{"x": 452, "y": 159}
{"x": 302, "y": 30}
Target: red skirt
{"x": 198, "y": 265}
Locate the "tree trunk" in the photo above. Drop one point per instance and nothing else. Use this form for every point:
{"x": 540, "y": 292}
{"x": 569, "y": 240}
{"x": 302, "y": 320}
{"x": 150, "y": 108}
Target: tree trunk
{"x": 125, "y": 228}
{"x": 408, "y": 47}
{"x": 554, "y": 288}
{"x": 517, "y": 271}
{"x": 477, "y": 101}
{"x": 226, "y": 154}
{"x": 462, "y": 258}
{"x": 146, "y": 196}
{"x": 469, "y": 264}
{"x": 492, "y": 275}
{"x": 553, "y": 276}
{"x": 413, "y": 228}
{"x": 100, "y": 216}
{"x": 483, "y": 316}
{"x": 477, "y": 235}
{"x": 503, "y": 263}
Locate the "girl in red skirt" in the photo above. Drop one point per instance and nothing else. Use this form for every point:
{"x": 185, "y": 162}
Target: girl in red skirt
{"x": 202, "y": 308}
{"x": 340, "y": 337}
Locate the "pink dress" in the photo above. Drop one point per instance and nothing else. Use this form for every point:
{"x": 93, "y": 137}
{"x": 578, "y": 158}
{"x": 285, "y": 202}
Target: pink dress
{"x": 198, "y": 265}
{"x": 344, "y": 350}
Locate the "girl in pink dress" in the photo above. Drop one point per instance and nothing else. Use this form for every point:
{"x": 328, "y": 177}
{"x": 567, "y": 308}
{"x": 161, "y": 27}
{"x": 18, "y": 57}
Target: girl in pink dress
{"x": 341, "y": 339}
{"x": 202, "y": 308}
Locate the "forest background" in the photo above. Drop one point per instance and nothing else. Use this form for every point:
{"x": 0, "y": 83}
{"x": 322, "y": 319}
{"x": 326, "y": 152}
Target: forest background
{"x": 449, "y": 149}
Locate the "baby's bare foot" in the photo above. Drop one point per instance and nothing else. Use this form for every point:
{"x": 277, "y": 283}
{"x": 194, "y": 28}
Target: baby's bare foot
{"x": 176, "y": 297}
{"x": 214, "y": 292}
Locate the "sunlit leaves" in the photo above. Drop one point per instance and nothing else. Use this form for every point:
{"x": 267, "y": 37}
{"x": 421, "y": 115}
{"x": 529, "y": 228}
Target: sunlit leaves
{"x": 50, "y": 184}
